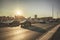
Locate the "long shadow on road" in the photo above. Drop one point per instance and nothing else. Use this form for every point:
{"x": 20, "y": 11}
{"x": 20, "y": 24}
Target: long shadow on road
{"x": 34, "y": 28}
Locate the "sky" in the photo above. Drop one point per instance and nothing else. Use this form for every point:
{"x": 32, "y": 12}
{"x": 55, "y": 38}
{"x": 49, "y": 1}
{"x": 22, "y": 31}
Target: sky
{"x": 43, "y": 8}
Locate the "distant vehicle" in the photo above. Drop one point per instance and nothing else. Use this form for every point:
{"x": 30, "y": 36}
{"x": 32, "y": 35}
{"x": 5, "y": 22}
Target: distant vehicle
{"x": 41, "y": 21}
{"x": 25, "y": 23}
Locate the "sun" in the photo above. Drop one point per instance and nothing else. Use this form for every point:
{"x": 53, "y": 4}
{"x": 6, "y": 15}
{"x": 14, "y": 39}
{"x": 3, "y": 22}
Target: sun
{"x": 19, "y": 12}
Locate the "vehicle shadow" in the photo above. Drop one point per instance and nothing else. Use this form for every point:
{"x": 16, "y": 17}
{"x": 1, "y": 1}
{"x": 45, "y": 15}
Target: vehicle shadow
{"x": 34, "y": 28}
{"x": 1, "y": 26}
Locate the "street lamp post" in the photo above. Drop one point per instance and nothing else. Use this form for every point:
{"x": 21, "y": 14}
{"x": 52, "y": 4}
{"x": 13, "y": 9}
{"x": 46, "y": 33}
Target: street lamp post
{"x": 52, "y": 10}
{"x": 57, "y": 14}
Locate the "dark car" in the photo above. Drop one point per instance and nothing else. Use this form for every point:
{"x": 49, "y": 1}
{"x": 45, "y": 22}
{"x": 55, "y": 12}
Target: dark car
{"x": 25, "y": 23}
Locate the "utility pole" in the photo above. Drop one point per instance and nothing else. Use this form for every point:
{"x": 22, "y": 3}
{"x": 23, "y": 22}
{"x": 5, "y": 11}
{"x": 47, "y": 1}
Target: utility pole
{"x": 52, "y": 10}
{"x": 57, "y": 14}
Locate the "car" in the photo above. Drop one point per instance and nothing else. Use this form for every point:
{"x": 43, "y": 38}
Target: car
{"x": 25, "y": 23}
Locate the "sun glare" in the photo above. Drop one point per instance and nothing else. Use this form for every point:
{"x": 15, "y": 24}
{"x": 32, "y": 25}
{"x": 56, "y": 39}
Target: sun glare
{"x": 19, "y": 12}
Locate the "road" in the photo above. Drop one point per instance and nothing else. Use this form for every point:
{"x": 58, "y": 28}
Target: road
{"x": 18, "y": 33}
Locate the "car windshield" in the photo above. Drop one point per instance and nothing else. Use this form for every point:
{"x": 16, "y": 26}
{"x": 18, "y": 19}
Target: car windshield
{"x": 22, "y": 21}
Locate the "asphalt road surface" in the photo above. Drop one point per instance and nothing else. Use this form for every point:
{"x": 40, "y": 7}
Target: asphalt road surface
{"x": 18, "y": 33}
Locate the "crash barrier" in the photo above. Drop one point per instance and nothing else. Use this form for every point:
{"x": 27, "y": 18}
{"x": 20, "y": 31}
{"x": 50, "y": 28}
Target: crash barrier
{"x": 48, "y": 34}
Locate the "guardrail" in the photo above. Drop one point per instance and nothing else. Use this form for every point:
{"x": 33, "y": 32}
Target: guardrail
{"x": 48, "y": 34}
